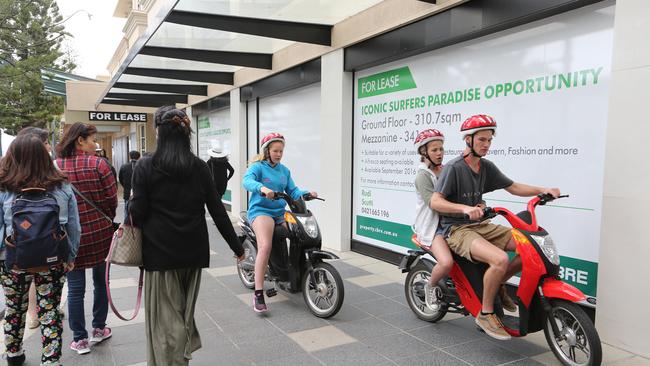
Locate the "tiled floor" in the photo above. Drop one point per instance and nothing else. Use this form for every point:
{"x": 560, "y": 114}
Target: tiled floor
{"x": 375, "y": 326}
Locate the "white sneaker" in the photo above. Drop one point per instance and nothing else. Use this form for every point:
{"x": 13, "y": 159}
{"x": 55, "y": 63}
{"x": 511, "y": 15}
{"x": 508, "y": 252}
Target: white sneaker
{"x": 432, "y": 295}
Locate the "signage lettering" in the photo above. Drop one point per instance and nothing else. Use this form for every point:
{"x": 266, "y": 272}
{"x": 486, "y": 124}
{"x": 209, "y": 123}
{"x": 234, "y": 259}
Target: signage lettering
{"x": 117, "y": 116}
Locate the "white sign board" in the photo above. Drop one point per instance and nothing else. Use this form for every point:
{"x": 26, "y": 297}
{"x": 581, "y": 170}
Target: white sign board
{"x": 545, "y": 83}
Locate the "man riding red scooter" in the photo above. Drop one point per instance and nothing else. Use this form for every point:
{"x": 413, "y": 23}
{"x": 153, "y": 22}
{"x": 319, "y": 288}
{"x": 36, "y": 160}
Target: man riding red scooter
{"x": 473, "y": 238}
{"x": 460, "y": 190}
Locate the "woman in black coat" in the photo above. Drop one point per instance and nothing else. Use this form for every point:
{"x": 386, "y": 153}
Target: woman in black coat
{"x": 171, "y": 189}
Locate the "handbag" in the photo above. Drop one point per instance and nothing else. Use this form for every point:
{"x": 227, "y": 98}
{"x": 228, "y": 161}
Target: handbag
{"x": 125, "y": 250}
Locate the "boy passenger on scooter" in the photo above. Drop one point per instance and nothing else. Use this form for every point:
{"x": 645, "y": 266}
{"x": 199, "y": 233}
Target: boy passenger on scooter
{"x": 265, "y": 176}
{"x": 460, "y": 190}
{"x": 429, "y": 144}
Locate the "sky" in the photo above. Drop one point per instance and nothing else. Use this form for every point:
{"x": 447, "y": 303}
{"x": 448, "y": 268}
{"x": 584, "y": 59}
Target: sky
{"x": 94, "y": 41}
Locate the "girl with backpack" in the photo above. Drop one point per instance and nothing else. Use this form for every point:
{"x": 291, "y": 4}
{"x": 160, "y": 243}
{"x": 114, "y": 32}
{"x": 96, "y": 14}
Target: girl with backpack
{"x": 28, "y": 177}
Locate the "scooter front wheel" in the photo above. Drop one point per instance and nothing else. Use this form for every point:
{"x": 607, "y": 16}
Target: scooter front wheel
{"x": 324, "y": 295}
{"x": 577, "y": 343}
{"x": 246, "y": 268}
{"x": 414, "y": 284}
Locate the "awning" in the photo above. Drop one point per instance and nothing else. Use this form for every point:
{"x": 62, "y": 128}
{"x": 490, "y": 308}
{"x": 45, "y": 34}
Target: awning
{"x": 54, "y": 80}
{"x": 190, "y": 44}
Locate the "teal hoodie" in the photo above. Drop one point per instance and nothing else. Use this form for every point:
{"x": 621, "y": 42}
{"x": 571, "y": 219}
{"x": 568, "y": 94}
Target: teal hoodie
{"x": 276, "y": 178}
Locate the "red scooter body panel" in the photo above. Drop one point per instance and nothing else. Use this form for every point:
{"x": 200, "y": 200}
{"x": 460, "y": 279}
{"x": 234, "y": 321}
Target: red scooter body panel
{"x": 556, "y": 289}
{"x": 532, "y": 268}
{"x": 468, "y": 297}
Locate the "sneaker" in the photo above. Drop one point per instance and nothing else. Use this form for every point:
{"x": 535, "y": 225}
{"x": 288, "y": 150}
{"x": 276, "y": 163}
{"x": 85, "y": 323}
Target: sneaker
{"x": 506, "y": 300}
{"x": 16, "y": 360}
{"x": 492, "y": 326}
{"x": 101, "y": 334}
{"x": 432, "y": 295}
{"x": 258, "y": 304}
{"x": 81, "y": 346}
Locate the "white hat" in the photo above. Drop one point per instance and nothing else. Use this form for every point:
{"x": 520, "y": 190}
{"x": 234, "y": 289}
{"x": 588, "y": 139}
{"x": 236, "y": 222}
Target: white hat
{"x": 217, "y": 152}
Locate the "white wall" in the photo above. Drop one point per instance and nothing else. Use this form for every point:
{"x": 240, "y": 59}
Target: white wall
{"x": 296, "y": 115}
{"x": 253, "y": 139}
{"x": 336, "y": 159}
{"x": 622, "y": 316}
{"x": 238, "y": 151}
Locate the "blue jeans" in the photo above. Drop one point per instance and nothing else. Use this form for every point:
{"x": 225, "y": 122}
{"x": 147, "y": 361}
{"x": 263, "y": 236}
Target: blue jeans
{"x": 76, "y": 292}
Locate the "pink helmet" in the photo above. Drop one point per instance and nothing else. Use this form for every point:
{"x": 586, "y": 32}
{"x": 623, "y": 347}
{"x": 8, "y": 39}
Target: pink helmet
{"x": 477, "y": 123}
{"x": 273, "y": 136}
{"x": 427, "y": 136}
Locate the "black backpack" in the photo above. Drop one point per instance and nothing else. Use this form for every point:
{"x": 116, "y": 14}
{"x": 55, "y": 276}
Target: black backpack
{"x": 38, "y": 240}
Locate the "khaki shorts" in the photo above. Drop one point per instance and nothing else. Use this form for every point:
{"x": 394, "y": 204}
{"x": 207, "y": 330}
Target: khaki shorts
{"x": 461, "y": 237}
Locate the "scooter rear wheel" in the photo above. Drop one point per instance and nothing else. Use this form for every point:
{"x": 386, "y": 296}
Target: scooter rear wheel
{"x": 578, "y": 343}
{"x": 417, "y": 277}
{"x": 247, "y": 276}
{"x": 324, "y": 298}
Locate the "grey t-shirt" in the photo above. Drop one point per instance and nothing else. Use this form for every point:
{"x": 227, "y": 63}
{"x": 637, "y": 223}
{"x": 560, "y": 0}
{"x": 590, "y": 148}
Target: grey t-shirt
{"x": 459, "y": 184}
{"x": 424, "y": 185}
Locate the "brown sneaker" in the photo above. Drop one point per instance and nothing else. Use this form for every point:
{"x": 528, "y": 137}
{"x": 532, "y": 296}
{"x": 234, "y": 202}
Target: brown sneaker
{"x": 506, "y": 300}
{"x": 492, "y": 326}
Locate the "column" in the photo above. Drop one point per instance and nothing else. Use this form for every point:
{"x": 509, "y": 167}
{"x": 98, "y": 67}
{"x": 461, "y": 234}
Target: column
{"x": 623, "y": 271}
{"x": 336, "y": 151}
{"x": 238, "y": 153}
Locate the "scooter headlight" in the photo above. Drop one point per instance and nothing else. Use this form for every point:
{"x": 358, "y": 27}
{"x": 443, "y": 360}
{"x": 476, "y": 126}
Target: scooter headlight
{"x": 548, "y": 248}
{"x": 310, "y": 225}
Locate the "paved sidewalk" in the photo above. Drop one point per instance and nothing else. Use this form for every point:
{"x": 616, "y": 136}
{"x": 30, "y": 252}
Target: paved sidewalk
{"x": 375, "y": 326}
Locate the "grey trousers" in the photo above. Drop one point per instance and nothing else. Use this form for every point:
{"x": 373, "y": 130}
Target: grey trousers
{"x": 170, "y": 298}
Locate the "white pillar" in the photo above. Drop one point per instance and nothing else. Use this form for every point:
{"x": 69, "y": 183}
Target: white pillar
{"x": 238, "y": 153}
{"x": 622, "y": 317}
{"x": 336, "y": 151}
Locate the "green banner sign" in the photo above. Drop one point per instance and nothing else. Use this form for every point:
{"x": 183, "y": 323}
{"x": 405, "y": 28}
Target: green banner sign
{"x": 390, "y": 232}
{"x": 386, "y": 82}
{"x": 204, "y": 122}
{"x": 580, "y": 273}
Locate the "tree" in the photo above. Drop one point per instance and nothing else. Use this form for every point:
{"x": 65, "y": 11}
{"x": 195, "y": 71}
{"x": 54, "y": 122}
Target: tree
{"x": 31, "y": 38}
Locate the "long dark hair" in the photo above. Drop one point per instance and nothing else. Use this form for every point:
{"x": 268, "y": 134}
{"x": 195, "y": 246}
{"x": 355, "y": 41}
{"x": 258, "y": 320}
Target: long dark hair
{"x": 28, "y": 165}
{"x": 173, "y": 153}
{"x": 67, "y": 146}
{"x": 39, "y": 132}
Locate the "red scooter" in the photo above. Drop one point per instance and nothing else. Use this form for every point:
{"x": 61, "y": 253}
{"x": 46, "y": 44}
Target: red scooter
{"x": 544, "y": 300}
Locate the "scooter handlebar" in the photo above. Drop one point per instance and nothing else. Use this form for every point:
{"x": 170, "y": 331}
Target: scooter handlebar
{"x": 279, "y": 195}
{"x": 488, "y": 213}
{"x": 544, "y": 198}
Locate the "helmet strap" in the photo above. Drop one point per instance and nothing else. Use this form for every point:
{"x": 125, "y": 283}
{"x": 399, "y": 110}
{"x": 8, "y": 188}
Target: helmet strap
{"x": 426, "y": 155}
{"x": 470, "y": 144}
{"x": 433, "y": 165}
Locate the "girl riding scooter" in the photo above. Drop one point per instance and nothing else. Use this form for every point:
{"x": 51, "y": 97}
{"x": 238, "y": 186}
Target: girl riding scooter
{"x": 265, "y": 176}
{"x": 429, "y": 144}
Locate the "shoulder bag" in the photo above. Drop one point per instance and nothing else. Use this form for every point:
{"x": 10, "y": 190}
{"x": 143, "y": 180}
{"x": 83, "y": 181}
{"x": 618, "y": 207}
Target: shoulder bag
{"x": 125, "y": 250}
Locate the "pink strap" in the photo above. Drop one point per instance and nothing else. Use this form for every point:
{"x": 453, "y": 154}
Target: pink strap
{"x": 108, "y": 289}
